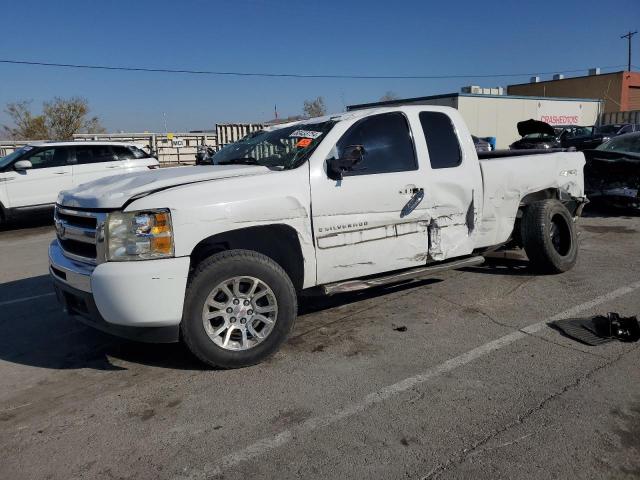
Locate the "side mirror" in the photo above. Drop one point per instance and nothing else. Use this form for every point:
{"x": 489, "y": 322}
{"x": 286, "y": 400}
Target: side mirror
{"x": 351, "y": 156}
{"x": 22, "y": 165}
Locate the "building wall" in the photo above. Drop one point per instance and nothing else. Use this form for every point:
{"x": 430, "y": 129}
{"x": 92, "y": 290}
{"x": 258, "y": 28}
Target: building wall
{"x": 498, "y": 116}
{"x": 620, "y": 91}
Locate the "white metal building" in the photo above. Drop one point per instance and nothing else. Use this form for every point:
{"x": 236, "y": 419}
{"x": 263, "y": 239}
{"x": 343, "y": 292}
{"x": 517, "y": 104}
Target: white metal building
{"x": 497, "y": 115}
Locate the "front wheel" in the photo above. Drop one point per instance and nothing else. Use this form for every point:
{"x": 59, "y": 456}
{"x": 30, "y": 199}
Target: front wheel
{"x": 239, "y": 309}
{"x": 549, "y": 236}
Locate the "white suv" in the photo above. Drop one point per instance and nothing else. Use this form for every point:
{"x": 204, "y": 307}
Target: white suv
{"x": 32, "y": 176}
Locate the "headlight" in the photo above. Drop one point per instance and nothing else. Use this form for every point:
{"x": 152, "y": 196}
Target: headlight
{"x": 143, "y": 235}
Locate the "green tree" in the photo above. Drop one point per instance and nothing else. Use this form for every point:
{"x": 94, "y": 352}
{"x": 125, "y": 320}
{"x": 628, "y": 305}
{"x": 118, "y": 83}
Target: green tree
{"x": 63, "y": 118}
{"x": 26, "y": 125}
{"x": 60, "y": 119}
{"x": 314, "y": 108}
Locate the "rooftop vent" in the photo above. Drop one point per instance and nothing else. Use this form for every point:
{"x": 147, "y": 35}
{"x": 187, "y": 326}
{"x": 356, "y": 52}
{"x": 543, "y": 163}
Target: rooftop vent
{"x": 594, "y": 71}
{"x": 558, "y": 76}
{"x": 476, "y": 90}
{"x": 471, "y": 89}
{"x": 534, "y": 79}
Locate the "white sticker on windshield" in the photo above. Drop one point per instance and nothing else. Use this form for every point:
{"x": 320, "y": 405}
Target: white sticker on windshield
{"x": 305, "y": 134}
{"x": 27, "y": 148}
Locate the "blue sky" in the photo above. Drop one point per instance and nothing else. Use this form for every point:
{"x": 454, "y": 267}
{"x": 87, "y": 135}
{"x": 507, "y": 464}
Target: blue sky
{"x": 362, "y": 37}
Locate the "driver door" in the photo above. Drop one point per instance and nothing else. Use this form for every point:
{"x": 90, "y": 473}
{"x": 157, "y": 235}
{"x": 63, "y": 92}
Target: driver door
{"x": 39, "y": 185}
{"x": 371, "y": 221}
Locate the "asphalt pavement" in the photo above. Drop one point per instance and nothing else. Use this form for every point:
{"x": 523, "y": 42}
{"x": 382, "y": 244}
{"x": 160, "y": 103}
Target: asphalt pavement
{"x": 455, "y": 376}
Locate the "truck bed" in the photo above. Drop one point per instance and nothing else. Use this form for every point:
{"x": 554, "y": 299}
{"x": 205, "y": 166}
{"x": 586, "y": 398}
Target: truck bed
{"x": 520, "y": 153}
{"x": 507, "y": 179}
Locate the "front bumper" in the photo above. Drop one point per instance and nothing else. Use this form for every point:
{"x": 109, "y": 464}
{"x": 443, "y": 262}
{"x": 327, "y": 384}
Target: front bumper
{"x": 139, "y": 294}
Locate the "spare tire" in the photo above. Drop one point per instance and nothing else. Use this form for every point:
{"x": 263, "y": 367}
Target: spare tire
{"x": 549, "y": 236}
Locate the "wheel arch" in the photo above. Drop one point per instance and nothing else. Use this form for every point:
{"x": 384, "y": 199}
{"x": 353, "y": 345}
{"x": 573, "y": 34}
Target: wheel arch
{"x": 279, "y": 242}
{"x": 574, "y": 205}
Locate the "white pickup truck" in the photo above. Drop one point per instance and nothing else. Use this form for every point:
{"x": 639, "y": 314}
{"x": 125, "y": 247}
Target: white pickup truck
{"x": 218, "y": 255}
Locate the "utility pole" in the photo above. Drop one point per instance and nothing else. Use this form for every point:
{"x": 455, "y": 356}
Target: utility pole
{"x": 628, "y": 37}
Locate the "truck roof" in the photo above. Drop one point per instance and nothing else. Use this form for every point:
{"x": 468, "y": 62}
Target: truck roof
{"x": 364, "y": 112}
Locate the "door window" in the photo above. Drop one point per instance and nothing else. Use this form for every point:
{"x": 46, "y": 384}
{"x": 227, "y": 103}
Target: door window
{"x": 48, "y": 157}
{"x": 123, "y": 153}
{"x": 442, "y": 141}
{"x": 86, "y": 154}
{"x": 387, "y": 142}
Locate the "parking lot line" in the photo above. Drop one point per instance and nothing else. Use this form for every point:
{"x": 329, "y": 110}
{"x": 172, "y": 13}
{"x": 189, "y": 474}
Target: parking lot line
{"x": 270, "y": 443}
{"x": 25, "y": 299}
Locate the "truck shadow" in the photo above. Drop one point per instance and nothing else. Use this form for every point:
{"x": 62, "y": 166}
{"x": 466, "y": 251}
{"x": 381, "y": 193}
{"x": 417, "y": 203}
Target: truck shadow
{"x": 33, "y": 221}
{"x": 35, "y": 332}
{"x": 503, "y": 266}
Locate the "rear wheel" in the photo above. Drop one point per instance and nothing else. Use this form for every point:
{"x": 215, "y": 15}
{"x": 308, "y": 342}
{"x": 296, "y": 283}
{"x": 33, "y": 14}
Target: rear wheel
{"x": 239, "y": 309}
{"x": 549, "y": 236}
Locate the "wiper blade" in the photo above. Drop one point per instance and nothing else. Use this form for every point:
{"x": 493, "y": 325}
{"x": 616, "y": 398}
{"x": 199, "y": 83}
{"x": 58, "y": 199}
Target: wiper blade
{"x": 239, "y": 161}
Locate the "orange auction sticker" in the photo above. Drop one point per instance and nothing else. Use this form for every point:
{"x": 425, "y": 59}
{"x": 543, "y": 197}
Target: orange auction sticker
{"x": 304, "y": 142}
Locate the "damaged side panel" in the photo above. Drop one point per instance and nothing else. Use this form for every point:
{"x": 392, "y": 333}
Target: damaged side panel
{"x": 507, "y": 181}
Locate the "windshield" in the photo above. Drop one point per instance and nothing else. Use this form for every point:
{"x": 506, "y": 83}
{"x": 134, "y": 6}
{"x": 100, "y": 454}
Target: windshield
{"x": 4, "y": 161}
{"x": 578, "y": 132}
{"x": 623, "y": 143}
{"x": 282, "y": 148}
{"x": 539, "y": 136}
{"x": 609, "y": 129}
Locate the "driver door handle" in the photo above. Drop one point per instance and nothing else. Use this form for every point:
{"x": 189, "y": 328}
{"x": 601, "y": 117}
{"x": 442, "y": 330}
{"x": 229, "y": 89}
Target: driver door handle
{"x": 410, "y": 190}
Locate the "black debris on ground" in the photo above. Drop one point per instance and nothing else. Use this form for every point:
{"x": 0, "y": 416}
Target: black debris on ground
{"x": 599, "y": 329}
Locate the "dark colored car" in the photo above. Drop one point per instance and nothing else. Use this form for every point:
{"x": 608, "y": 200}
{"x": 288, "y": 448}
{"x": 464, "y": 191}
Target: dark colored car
{"x": 537, "y": 135}
{"x": 612, "y": 171}
{"x": 599, "y": 135}
{"x": 615, "y": 129}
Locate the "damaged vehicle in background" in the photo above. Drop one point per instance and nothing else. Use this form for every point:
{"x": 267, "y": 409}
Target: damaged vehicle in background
{"x": 612, "y": 172}
{"x": 540, "y": 135}
{"x": 217, "y": 257}
{"x": 595, "y": 136}
{"x": 537, "y": 135}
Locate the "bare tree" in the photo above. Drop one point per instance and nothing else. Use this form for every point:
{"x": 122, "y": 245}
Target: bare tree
{"x": 389, "y": 96}
{"x": 314, "y": 108}
{"x": 26, "y": 125}
{"x": 60, "y": 119}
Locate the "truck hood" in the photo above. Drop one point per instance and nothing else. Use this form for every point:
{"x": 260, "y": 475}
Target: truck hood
{"x": 113, "y": 192}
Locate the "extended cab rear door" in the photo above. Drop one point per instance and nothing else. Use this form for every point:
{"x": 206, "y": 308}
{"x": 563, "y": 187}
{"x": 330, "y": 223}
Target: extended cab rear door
{"x": 452, "y": 182}
{"x": 372, "y": 220}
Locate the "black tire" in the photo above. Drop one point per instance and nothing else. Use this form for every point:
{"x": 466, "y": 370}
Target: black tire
{"x": 217, "y": 269}
{"x": 549, "y": 237}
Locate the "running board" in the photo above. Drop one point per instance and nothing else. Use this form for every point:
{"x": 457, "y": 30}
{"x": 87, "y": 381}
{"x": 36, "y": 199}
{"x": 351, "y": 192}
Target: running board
{"x": 413, "y": 274}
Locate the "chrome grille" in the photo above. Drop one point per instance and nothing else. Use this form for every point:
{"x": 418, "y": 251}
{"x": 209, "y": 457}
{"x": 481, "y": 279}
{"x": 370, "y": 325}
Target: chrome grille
{"x": 81, "y": 234}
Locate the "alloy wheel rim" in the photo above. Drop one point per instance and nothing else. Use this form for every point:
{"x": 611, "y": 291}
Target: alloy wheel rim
{"x": 240, "y": 313}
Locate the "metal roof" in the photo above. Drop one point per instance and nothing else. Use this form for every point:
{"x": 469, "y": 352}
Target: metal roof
{"x": 403, "y": 101}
